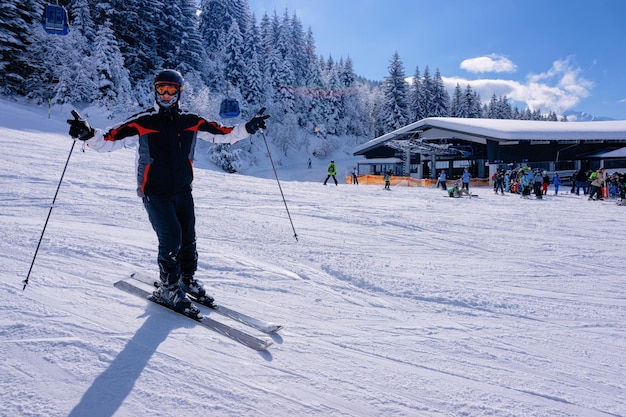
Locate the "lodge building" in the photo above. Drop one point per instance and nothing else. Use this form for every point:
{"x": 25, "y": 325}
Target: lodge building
{"x": 423, "y": 149}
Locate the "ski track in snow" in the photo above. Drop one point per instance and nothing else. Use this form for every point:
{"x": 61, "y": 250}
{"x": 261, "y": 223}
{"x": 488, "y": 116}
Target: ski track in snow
{"x": 396, "y": 303}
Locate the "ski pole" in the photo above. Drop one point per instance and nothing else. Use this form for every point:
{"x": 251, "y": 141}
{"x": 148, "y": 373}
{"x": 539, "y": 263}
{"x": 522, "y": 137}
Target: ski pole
{"x": 295, "y": 235}
{"x": 25, "y": 282}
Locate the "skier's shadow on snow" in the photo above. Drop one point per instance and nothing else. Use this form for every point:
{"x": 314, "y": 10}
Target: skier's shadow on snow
{"x": 110, "y": 389}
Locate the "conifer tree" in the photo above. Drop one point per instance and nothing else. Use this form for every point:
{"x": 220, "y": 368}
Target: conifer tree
{"x": 427, "y": 106}
{"x": 440, "y": 97}
{"x": 473, "y": 103}
{"x": 416, "y": 94}
{"x": 135, "y": 23}
{"x": 457, "y": 105}
{"x": 234, "y": 64}
{"x": 351, "y": 119}
{"x": 395, "y": 92}
{"x": 252, "y": 86}
{"x": 19, "y": 23}
{"x": 191, "y": 54}
{"x": 215, "y": 21}
{"x": 114, "y": 90}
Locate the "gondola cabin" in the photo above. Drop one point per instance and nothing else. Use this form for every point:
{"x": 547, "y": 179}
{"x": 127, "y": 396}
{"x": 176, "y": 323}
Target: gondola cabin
{"x": 229, "y": 108}
{"x": 55, "y": 20}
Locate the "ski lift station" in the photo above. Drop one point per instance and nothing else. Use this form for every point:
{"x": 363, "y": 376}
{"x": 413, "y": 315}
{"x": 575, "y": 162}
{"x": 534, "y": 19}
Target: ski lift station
{"x": 423, "y": 149}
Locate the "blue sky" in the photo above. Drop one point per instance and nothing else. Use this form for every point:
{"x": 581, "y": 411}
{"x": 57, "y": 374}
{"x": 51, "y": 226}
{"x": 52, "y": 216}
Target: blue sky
{"x": 555, "y": 56}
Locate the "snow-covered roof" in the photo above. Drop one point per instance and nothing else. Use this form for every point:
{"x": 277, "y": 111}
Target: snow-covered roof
{"x": 380, "y": 161}
{"x": 479, "y": 130}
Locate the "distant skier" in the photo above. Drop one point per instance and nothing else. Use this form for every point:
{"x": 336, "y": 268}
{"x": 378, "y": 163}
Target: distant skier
{"x": 442, "y": 180}
{"x": 545, "y": 183}
{"x": 499, "y": 182}
{"x": 526, "y": 180}
{"x": 556, "y": 181}
{"x": 387, "y": 179}
{"x": 538, "y": 180}
{"x": 581, "y": 182}
{"x": 355, "y": 176}
{"x": 332, "y": 172}
{"x": 465, "y": 180}
{"x": 598, "y": 181}
{"x": 454, "y": 191}
{"x": 166, "y": 138}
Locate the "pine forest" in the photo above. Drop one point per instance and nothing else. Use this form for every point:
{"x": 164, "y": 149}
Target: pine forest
{"x": 115, "y": 47}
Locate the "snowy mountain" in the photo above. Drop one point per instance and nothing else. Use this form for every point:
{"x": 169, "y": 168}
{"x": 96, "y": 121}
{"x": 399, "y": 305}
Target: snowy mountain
{"x": 581, "y": 116}
{"x": 395, "y": 303}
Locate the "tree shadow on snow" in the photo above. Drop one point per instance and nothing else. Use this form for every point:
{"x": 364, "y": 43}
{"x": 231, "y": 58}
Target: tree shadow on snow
{"x": 110, "y": 389}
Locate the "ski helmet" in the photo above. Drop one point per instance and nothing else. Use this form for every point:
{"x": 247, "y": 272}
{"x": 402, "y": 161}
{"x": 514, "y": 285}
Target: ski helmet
{"x": 172, "y": 78}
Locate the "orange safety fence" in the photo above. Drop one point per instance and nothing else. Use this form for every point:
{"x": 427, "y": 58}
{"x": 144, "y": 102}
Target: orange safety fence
{"x": 410, "y": 182}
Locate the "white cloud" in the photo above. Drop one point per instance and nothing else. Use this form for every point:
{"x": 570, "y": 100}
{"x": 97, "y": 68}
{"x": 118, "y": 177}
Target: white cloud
{"x": 559, "y": 89}
{"x": 490, "y": 63}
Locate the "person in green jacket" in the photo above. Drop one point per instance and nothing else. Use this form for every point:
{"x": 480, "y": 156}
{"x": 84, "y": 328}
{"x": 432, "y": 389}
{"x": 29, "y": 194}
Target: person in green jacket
{"x": 332, "y": 172}
{"x": 454, "y": 191}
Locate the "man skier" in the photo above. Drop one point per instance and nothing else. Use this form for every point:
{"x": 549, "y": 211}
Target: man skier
{"x": 332, "y": 172}
{"x": 166, "y": 138}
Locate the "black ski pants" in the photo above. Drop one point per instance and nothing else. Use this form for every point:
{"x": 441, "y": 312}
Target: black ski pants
{"x": 174, "y": 221}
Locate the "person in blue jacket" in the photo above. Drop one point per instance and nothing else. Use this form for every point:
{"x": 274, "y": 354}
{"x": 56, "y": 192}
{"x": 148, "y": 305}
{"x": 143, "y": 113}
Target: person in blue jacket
{"x": 442, "y": 180}
{"x": 166, "y": 137}
{"x": 465, "y": 180}
{"x": 556, "y": 181}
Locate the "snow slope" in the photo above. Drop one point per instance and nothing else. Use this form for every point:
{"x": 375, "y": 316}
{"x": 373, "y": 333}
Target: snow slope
{"x": 400, "y": 303}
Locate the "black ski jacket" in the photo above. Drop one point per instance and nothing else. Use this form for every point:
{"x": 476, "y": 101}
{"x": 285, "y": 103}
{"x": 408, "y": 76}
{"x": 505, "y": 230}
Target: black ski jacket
{"x": 165, "y": 141}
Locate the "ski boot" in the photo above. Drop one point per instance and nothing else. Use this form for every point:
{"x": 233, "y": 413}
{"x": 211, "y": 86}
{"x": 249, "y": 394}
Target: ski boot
{"x": 195, "y": 289}
{"x": 171, "y": 295}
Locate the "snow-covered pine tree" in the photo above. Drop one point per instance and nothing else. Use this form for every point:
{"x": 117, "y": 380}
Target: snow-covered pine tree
{"x": 492, "y": 107}
{"x": 473, "y": 103}
{"x": 457, "y": 104}
{"x": 234, "y": 61}
{"x": 20, "y": 22}
{"x": 253, "y": 80}
{"x": 135, "y": 23}
{"x": 416, "y": 95}
{"x": 82, "y": 20}
{"x": 427, "y": 107}
{"x": 114, "y": 90}
{"x": 190, "y": 52}
{"x": 333, "y": 98}
{"x": 351, "y": 121}
{"x": 215, "y": 21}
{"x": 395, "y": 90}
{"x": 504, "y": 108}
{"x": 440, "y": 97}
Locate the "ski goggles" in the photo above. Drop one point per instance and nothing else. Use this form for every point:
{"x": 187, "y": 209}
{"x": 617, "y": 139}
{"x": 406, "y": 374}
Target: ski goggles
{"x": 170, "y": 89}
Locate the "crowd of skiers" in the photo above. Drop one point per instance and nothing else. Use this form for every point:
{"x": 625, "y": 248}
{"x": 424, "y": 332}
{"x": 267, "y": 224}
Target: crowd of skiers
{"x": 526, "y": 182}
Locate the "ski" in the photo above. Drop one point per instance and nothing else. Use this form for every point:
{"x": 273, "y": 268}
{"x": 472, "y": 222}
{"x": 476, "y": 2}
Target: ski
{"x": 265, "y": 327}
{"x": 223, "y": 329}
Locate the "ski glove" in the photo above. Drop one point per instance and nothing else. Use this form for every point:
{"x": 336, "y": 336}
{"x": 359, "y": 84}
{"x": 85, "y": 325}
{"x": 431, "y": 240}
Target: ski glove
{"x": 80, "y": 129}
{"x": 256, "y": 123}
